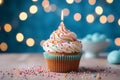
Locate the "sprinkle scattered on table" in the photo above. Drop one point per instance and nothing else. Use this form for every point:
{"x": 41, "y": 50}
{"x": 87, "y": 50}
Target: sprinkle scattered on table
{"x": 97, "y": 73}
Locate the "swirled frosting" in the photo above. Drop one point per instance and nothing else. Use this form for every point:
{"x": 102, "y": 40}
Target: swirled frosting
{"x": 62, "y": 41}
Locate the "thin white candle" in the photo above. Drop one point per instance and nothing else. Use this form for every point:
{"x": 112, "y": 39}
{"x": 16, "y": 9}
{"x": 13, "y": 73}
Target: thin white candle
{"x": 62, "y": 16}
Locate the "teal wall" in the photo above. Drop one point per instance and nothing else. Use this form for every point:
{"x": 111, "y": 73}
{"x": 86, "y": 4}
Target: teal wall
{"x": 40, "y": 25}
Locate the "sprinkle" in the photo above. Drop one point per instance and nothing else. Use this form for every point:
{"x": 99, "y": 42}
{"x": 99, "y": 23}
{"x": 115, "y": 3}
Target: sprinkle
{"x": 98, "y": 77}
{"x": 65, "y": 75}
{"x": 47, "y": 45}
{"x": 68, "y": 46}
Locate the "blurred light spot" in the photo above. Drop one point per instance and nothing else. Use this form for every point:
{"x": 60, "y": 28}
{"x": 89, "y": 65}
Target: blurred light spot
{"x": 1, "y": 2}
{"x": 45, "y": 3}
{"x": 69, "y": 1}
{"x": 23, "y": 16}
{"x": 78, "y": 1}
{"x": 90, "y": 18}
{"x": 110, "y": 18}
{"x": 53, "y": 7}
{"x": 117, "y": 41}
{"x": 103, "y": 19}
{"x": 33, "y": 9}
{"x": 99, "y": 10}
{"x": 109, "y": 1}
{"x": 7, "y": 27}
{"x": 41, "y": 42}
{"x": 30, "y": 42}
{"x": 3, "y": 46}
{"x": 66, "y": 11}
{"x": 48, "y": 9}
{"x": 119, "y": 22}
{"x": 77, "y": 16}
{"x": 92, "y": 2}
{"x": 19, "y": 37}
{"x": 34, "y": 0}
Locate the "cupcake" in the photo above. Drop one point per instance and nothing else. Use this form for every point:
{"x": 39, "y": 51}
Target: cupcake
{"x": 62, "y": 50}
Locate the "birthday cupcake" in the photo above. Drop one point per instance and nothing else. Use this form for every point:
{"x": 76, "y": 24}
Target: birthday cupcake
{"x": 62, "y": 50}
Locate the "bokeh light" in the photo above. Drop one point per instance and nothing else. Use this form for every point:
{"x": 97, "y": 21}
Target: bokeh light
{"x": 48, "y": 9}
{"x": 53, "y": 7}
{"x": 1, "y": 2}
{"x": 77, "y": 16}
{"x": 30, "y": 42}
{"x": 69, "y": 1}
{"x": 110, "y": 18}
{"x": 45, "y": 3}
{"x": 34, "y": 0}
{"x": 103, "y": 19}
{"x": 33, "y": 9}
{"x": 119, "y": 22}
{"x": 117, "y": 41}
{"x": 99, "y": 10}
{"x": 41, "y": 42}
{"x": 66, "y": 11}
{"x": 23, "y": 16}
{"x": 7, "y": 27}
{"x": 78, "y": 1}
{"x": 92, "y": 2}
{"x": 19, "y": 37}
{"x": 109, "y": 1}
{"x": 90, "y": 18}
{"x": 3, "y": 46}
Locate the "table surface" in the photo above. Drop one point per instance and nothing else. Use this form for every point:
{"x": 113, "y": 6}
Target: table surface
{"x": 32, "y": 67}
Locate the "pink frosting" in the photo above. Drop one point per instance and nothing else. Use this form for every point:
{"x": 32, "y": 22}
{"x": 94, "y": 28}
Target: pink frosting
{"x": 62, "y": 40}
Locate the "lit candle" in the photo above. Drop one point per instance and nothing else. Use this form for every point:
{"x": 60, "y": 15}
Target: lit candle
{"x": 62, "y": 16}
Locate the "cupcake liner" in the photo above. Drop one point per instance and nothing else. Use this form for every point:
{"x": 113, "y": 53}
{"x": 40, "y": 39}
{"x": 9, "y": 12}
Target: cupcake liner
{"x": 59, "y": 63}
{"x": 68, "y": 57}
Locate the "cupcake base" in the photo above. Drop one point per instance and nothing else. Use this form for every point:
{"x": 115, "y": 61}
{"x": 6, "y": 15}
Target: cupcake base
{"x": 59, "y": 63}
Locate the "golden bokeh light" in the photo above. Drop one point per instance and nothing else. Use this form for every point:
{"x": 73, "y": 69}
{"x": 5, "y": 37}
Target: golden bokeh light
{"x": 3, "y": 46}
{"x": 99, "y": 10}
{"x": 30, "y": 42}
{"x": 110, "y": 18}
{"x": 66, "y": 11}
{"x": 91, "y": 2}
{"x": 34, "y": 0}
{"x": 1, "y": 2}
{"x": 23, "y": 16}
{"x": 45, "y": 3}
{"x": 78, "y": 1}
{"x": 69, "y": 1}
{"x": 109, "y": 1}
{"x": 77, "y": 16}
{"x": 19, "y": 37}
{"x": 90, "y": 18}
{"x": 33, "y": 9}
{"x": 41, "y": 42}
{"x": 117, "y": 41}
{"x": 103, "y": 19}
{"x": 119, "y": 22}
{"x": 7, "y": 27}
{"x": 53, "y": 7}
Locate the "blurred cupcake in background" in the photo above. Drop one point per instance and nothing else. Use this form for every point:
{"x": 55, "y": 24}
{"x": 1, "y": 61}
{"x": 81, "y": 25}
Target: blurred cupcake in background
{"x": 93, "y": 44}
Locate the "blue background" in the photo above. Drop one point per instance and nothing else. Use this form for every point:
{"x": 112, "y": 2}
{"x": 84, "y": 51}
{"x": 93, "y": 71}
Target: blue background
{"x": 39, "y": 26}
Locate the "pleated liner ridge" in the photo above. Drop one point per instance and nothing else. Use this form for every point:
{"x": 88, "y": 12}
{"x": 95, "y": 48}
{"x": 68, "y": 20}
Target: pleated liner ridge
{"x": 59, "y": 63}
